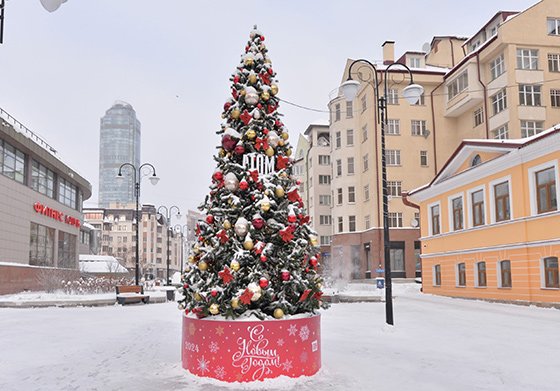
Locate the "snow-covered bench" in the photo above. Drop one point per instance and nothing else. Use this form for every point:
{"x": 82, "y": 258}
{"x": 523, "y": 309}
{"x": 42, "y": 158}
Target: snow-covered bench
{"x": 128, "y": 294}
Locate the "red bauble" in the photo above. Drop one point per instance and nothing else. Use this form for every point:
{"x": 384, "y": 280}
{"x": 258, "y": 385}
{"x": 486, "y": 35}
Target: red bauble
{"x": 292, "y": 218}
{"x": 263, "y": 258}
{"x": 228, "y": 142}
{"x": 239, "y": 149}
{"x": 313, "y": 261}
{"x": 227, "y": 105}
{"x": 187, "y": 311}
{"x": 298, "y": 182}
{"x": 186, "y": 286}
{"x": 262, "y": 37}
{"x": 259, "y": 106}
{"x": 236, "y": 79}
{"x": 265, "y": 131}
{"x": 263, "y": 282}
{"x": 243, "y": 185}
{"x": 270, "y": 71}
{"x": 214, "y": 293}
{"x": 258, "y": 223}
{"x": 286, "y": 276}
{"x": 209, "y": 219}
{"x": 218, "y": 176}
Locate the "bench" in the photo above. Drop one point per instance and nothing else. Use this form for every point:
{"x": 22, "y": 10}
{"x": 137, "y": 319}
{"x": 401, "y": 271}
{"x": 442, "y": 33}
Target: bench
{"x": 128, "y": 294}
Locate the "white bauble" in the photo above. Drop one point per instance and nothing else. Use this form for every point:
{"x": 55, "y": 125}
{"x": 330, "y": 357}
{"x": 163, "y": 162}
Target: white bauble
{"x": 273, "y": 139}
{"x": 251, "y": 96}
{"x": 256, "y": 290}
{"x": 241, "y": 227}
{"x": 231, "y": 182}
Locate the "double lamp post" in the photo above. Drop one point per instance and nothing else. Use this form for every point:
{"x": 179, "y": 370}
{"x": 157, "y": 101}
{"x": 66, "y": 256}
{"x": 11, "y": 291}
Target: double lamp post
{"x": 412, "y": 94}
{"x": 166, "y": 220}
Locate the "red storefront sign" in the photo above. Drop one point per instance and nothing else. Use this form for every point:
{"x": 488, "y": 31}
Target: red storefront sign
{"x": 247, "y": 351}
{"x": 56, "y": 215}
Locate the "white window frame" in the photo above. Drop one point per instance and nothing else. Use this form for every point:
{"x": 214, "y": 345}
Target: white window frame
{"x": 396, "y": 154}
{"x": 430, "y": 228}
{"x": 434, "y": 275}
{"x": 499, "y": 273}
{"x": 492, "y": 195}
{"x": 349, "y": 137}
{"x": 527, "y": 131}
{"x": 364, "y": 133}
{"x": 554, "y": 97}
{"x": 418, "y": 127}
{"x": 366, "y": 192}
{"x": 349, "y": 109}
{"x": 450, "y": 211}
{"x": 458, "y": 85}
{"x": 478, "y": 114}
{"x": 497, "y": 67}
{"x": 426, "y": 155}
{"x": 392, "y": 96}
{"x": 553, "y": 62}
{"x": 469, "y": 203}
{"x": 556, "y": 23}
{"x": 350, "y": 164}
{"x": 499, "y": 101}
{"x": 533, "y": 184}
{"x": 527, "y": 59}
{"x": 393, "y": 127}
{"x": 475, "y": 270}
{"x": 501, "y": 133}
{"x": 396, "y": 185}
{"x": 352, "y": 193}
{"x": 365, "y": 162}
{"x": 530, "y": 95}
{"x": 543, "y": 277}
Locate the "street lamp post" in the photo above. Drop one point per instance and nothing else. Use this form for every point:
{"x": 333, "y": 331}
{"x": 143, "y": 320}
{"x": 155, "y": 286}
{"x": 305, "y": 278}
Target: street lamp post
{"x": 137, "y": 177}
{"x": 182, "y": 229}
{"x": 412, "y": 94}
{"x": 167, "y": 222}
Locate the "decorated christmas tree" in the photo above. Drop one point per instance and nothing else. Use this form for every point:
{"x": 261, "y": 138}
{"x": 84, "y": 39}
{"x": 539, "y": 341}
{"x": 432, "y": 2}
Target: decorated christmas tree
{"x": 255, "y": 252}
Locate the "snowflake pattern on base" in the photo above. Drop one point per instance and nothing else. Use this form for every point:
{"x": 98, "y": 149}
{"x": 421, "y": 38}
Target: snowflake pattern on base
{"x": 220, "y": 372}
{"x": 214, "y": 347}
{"x": 292, "y": 330}
{"x": 203, "y": 365}
{"x": 304, "y": 333}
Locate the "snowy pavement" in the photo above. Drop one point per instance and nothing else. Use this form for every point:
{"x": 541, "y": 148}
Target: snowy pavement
{"x": 436, "y": 344}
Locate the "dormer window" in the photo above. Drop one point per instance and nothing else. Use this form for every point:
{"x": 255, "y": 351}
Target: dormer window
{"x": 476, "y": 160}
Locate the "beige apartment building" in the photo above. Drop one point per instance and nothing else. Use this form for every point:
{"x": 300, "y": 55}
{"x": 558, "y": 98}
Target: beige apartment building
{"x": 500, "y": 83}
{"x": 117, "y": 230}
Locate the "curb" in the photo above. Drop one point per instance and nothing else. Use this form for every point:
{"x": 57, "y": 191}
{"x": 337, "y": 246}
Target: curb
{"x": 69, "y": 304}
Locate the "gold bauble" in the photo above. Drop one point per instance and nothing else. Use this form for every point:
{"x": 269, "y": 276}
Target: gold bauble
{"x": 235, "y": 113}
{"x": 284, "y": 135}
{"x": 249, "y": 61}
{"x": 281, "y": 143}
{"x": 181, "y": 306}
{"x": 265, "y": 95}
{"x": 251, "y": 134}
{"x": 267, "y": 61}
{"x": 313, "y": 240}
{"x": 252, "y": 78}
{"x": 197, "y": 296}
{"x": 279, "y": 192}
{"x": 289, "y": 152}
{"x": 226, "y": 224}
{"x": 191, "y": 259}
{"x": 283, "y": 174}
{"x": 214, "y": 309}
{"x": 196, "y": 249}
{"x": 274, "y": 89}
{"x": 242, "y": 92}
{"x": 235, "y": 303}
{"x": 234, "y": 266}
{"x": 265, "y": 206}
{"x": 248, "y": 244}
{"x": 278, "y": 313}
{"x": 222, "y": 152}
{"x": 269, "y": 151}
{"x": 203, "y": 266}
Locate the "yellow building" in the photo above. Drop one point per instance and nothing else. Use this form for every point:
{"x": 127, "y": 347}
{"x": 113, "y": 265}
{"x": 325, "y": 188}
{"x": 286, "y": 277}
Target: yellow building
{"x": 490, "y": 221}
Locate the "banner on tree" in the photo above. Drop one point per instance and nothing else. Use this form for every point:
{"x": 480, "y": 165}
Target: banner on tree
{"x": 257, "y": 161}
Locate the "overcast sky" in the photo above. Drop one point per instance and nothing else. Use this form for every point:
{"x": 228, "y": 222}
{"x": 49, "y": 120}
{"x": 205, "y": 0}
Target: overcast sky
{"x": 172, "y": 59}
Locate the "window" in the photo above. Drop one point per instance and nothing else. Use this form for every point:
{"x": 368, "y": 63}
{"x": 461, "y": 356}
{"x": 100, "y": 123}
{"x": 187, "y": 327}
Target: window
{"x": 393, "y": 127}
{"x": 546, "y": 190}
{"x": 338, "y": 167}
{"x": 366, "y": 162}
{"x": 352, "y": 223}
{"x": 67, "y": 257}
{"x": 366, "y": 193}
{"x": 477, "y": 208}
{"x": 393, "y": 157}
{"x": 364, "y": 133}
{"x": 350, "y": 166}
{"x": 501, "y": 201}
{"x": 396, "y": 257}
{"x": 351, "y": 194}
{"x": 502, "y": 133}
{"x": 325, "y": 220}
{"x": 497, "y": 66}
{"x": 461, "y": 274}
{"x": 414, "y": 62}
{"x": 350, "y": 137}
{"x": 424, "y": 158}
{"x": 337, "y": 140}
{"x": 364, "y": 103}
{"x": 367, "y": 222}
{"x": 418, "y": 127}
{"x": 505, "y": 274}
{"x": 339, "y": 196}
{"x": 420, "y": 101}
{"x": 527, "y": 59}
{"x": 349, "y": 113}
{"x": 476, "y": 161}
{"x": 481, "y": 274}
{"x": 437, "y": 275}
{"x": 458, "y": 85}
{"x": 324, "y": 179}
{"x": 337, "y": 112}
{"x": 529, "y": 95}
{"x": 478, "y": 116}
{"x": 434, "y": 212}
{"x": 550, "y": 266}
{"x": 530, "y": 128}
{"x": 553, "y": 26}
{"x": 553, "y": 62}
{"x": 499, "y": 101}
{"x": 324, "y": 199}
{"x": 340, "y": 225}
{"x": 555, "y": 98}
{"x": 12, "y": 162}
{"x": 325, "y": 240}
{"x": 417, "y": 259}
{"x": 42, "y": 179}
{"x": 324, "y": 160}
{"x": 457, "y": 206}
{"x": 67, "y": 193}
{"x": 41, "y": 249}
{"x": 392, "y": 96}
{"x": 395, "y": 220}
{"x": 394, "y": 188}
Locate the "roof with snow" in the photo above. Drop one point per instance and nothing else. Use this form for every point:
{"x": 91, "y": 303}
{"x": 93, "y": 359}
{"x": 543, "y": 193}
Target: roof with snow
{"x": 90, "y": 263}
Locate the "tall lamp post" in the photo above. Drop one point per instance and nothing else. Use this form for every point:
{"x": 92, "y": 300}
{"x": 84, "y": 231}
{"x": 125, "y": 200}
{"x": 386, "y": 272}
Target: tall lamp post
{"x": 137, "y": 177}
{"x": 412, "y": 94}
{"x": 167, "y": 222}
{"x": 182, "y": 229}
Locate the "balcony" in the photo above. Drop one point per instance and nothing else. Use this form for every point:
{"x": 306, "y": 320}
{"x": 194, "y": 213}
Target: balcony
{"x": 470, "y": 96}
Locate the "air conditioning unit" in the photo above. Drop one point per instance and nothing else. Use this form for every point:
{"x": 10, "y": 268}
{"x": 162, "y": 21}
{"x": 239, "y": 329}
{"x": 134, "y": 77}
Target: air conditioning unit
{"x": 427, "y": 133}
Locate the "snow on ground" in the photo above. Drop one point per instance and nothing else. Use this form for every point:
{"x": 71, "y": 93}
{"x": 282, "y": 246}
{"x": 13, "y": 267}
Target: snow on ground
{"x": 436, "y": 344}
{"x": 62, "y": 296}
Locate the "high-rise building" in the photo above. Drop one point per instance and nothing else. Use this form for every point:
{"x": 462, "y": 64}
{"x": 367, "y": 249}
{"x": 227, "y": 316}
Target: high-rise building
{"x": 119, "y": 142}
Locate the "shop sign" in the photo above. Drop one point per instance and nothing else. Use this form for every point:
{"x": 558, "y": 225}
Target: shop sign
{"x": 56, "y": 215}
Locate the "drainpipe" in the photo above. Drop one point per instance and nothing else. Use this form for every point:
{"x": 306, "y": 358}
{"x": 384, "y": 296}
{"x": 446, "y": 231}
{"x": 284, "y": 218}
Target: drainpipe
{"x": 407, "y": 202}
{"x": 452, "y": 53}
{"x": 484, "y": 97}
{"x": 434, "y": 127}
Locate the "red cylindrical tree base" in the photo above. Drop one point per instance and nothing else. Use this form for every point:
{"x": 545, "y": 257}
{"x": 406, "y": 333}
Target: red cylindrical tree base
{"x": 250, "y": 350}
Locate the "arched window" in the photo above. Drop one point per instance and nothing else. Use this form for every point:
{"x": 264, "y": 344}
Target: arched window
{"x": 476, "y": 160}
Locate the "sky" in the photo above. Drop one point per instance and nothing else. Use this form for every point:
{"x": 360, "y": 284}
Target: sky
{"x": 172, "y": 59}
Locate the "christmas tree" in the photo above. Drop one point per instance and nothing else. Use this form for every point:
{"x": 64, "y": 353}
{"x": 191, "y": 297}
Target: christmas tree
{"x": 255, "y": 252}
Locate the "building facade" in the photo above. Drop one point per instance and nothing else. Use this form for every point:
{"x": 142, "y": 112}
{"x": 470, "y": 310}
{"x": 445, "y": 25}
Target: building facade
{"x": 491, "y": 221}
{"x": 119, "y": 142}
{"x": 40, "y": 212}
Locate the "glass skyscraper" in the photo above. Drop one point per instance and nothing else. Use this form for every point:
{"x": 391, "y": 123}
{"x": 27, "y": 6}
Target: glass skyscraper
{"x": 119, "y": 142}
